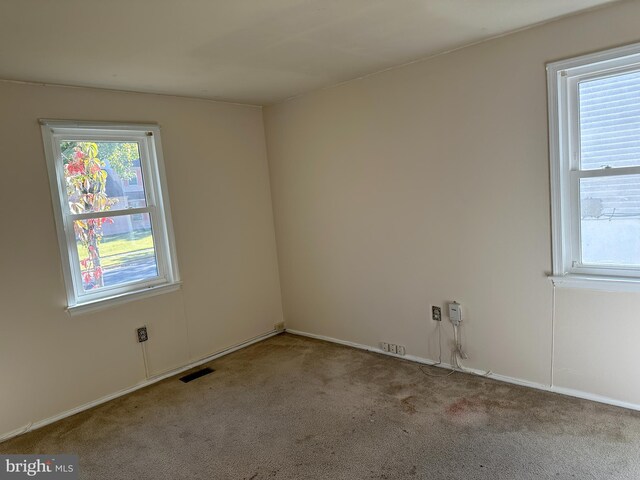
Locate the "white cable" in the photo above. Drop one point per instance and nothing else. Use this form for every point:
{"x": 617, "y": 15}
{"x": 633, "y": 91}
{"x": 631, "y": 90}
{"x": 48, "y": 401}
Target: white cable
{"x": 439, "y": 343}
{"x": 553, "y": 333}
{"x": 457, "y": 357}
{"x": 439, "y": 357}
{"x": 144, "y": 357}
{"x": 459, "y": 352}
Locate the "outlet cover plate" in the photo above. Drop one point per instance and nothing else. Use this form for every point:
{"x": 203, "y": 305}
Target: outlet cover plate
{"x": 143, "y": 335}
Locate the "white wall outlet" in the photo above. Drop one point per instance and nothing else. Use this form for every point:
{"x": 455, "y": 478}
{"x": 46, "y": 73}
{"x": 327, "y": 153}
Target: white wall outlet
{"x": 392, "y": 348}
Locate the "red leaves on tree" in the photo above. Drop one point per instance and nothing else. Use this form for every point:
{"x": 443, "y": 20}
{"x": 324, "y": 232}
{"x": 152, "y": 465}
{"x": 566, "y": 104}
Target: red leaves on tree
{"x": 86, "y": 181}
{"x": 75, "y": 168}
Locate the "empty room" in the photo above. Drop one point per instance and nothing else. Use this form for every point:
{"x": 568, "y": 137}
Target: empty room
{"x": 320, "y": 239}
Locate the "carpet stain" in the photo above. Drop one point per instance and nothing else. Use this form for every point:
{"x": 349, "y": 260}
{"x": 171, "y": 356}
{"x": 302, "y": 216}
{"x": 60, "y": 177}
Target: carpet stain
{"x": 305, "y": 439}
{"x": 461, "y": 407}
{"x": 292, "y": 407}
{"x": 407, "y": 406}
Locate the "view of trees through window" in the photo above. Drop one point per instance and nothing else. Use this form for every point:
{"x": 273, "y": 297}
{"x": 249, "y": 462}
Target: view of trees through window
{"x": 102, "y": 180}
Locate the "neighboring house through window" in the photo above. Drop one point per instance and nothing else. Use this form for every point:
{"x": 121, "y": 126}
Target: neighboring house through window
{"x": 133, "y": 180}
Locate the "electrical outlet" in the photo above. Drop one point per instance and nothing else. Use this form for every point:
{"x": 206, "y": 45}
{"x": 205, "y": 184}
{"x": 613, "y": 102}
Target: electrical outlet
{"x": 279, "y": 326}
{"x": 436, "y": 313}
{"x": 143, "y": 335}
{"x": 392, "y": 348}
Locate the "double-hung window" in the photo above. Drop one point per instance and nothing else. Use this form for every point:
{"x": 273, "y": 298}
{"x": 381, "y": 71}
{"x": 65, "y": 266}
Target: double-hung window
{"x": 594, "y": 127}
{"x": 111, "y": 209}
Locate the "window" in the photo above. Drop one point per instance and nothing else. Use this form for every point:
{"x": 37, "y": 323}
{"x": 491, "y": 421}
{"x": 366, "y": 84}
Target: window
{"x": 116, "y": 242}
{"x": 594, "y": 113}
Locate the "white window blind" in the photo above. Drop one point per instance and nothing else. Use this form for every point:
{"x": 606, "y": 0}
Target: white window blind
{"x": 610, "y": 121}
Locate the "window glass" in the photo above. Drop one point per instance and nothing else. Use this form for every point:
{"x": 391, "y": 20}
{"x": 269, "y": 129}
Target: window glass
{"x": 610, "y": 220}
{"x": 98, "y": 174}
{"x": 115, "y": 250}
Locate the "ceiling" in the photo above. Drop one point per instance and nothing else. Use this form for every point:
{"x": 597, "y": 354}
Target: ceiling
{"x": 248, "y": 51}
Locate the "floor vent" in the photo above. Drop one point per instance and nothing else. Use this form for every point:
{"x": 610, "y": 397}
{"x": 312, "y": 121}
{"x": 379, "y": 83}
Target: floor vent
{"x": 197, "y": 374}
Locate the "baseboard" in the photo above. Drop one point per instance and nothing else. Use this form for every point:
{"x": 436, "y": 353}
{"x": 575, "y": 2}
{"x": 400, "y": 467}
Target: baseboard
{"x": 145, "y": 383}
{"x": 502, "y": 378}
{"x": 425, "y": 361}
{"x": 594, "y": 397}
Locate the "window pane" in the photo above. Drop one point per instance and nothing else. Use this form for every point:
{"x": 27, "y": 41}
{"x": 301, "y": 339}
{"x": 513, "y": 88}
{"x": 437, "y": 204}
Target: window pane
{"x": 102, "y": 176}
{"x": 610, "y": 121}
{"x": 115, "y": 250}
{"x": 610, "y": 220}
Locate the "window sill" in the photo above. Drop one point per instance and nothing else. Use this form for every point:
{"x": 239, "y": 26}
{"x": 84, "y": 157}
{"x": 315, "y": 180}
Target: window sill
{"x": 123, "y": 298}
{"x": 601, "y": 283}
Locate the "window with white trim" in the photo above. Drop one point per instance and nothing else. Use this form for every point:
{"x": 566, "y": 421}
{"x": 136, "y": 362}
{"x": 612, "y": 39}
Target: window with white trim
{"x": 594, "y": 114}
{"x": 115, "y": 235}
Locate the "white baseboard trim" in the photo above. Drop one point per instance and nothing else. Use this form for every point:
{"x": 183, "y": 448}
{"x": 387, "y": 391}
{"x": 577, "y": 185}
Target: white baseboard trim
{"x": 502, "y": 378}
{"x": 594, "y": 397}
{"x": 149, "y": 381}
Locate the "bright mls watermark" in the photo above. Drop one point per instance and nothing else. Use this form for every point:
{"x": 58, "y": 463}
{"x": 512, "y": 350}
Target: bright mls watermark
{"x": 52, "y": 467}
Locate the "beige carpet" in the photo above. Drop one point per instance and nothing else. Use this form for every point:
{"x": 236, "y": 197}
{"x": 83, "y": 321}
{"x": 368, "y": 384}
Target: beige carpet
{"x": 294, "y": 408}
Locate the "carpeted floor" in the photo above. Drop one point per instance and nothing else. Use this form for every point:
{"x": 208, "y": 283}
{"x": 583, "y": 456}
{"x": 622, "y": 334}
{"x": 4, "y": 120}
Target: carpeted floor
{"x": 295, "y": 408}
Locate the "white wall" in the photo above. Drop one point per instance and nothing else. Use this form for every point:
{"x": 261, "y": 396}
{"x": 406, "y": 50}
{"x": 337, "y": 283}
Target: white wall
{"x": 219, "y": 187}
{"x": 430, "y": 183}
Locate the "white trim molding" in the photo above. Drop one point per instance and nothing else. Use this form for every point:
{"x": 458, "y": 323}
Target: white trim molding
{"x": 156, "y": 207}
{"x": 563, "y": 81}
{"x": 472, "y": 371}
{"x": 145, "y": 383}
{"x": 122, "y": 298}
{"x": 603, "y": 284}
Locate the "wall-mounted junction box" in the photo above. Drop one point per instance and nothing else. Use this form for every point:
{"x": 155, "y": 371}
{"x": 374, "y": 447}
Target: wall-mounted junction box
{"x": 455, "y": 313}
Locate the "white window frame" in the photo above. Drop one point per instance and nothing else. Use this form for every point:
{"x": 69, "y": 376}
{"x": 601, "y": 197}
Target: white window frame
{"x": 157, "y": 206}
{"x": 563, "y": 78}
